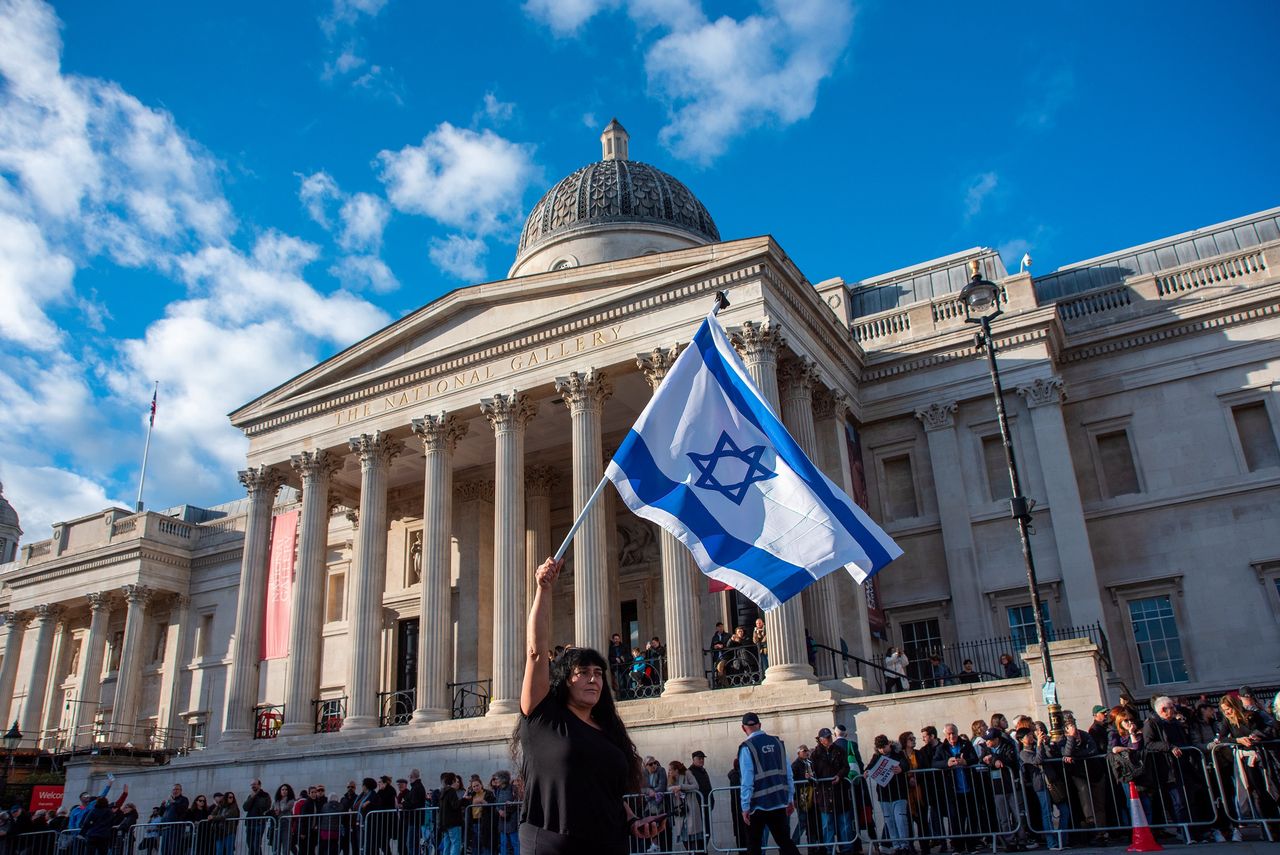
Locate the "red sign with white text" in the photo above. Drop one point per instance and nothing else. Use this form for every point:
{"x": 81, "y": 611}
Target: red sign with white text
{"x": 280, "y": 566}
{"x": 46, "y": 797}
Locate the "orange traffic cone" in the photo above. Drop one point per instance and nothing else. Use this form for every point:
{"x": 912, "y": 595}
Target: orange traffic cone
{"x": 1143, "y": 840}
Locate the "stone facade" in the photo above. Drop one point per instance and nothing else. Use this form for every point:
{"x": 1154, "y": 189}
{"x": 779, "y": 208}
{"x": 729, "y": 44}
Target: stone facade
{"x": 435, "y": 463}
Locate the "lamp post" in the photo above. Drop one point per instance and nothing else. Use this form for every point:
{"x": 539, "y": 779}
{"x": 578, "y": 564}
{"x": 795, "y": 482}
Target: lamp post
{"x": 981, "y": 299}
{"x": 12, "y": 740}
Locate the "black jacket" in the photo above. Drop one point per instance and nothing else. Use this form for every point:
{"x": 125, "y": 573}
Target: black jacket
{"x": 258, "y": 804}
{"x": 1160, "y": 737}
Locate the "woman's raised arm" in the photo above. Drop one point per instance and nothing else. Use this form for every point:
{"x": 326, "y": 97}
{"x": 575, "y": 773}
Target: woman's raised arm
{"x": 537, "y": 671}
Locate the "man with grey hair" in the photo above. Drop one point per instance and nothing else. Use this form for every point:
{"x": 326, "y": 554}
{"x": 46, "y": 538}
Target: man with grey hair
{"x": 1167, "y": 739}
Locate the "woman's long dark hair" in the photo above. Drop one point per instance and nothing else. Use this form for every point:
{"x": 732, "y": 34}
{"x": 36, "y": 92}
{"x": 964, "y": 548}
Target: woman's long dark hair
{"x": 604, "y": 713}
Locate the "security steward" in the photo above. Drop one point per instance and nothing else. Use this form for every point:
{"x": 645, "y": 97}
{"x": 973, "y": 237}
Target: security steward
{"x": 767, "y": 787}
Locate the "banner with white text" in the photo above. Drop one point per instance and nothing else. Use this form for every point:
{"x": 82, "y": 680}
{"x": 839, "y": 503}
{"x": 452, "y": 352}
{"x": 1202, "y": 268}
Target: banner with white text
{"x": 280, "y": 566}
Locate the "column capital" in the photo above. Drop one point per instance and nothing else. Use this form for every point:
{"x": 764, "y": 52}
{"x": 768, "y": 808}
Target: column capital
{"x": 757, "y": 341}
{"x": 376, "y": 449}
{"x": 439, "y": 431}
{"x": 584, "y": 392}
{"x": 100, "y": 601}
{"x": 829, "y": 404}
{"x": 315, "y": 465}
{"x": 262, "y": 482}
{"x": 48, "y": 612}
{"x": 939, "y": 415}
{"x": 540, "y": 479}
{"x": 656, "y": 363}
{"x": 475, "y": 491}
{"x": 179, "y": 601}
{"x": 16, "y": 620}
{"x": 353, "y": 516}
{"x": 798, "y": 376}
{"x": 139, "y": 594}
{"x": 508, "y": 412}
{"x": 1043, "y": 391}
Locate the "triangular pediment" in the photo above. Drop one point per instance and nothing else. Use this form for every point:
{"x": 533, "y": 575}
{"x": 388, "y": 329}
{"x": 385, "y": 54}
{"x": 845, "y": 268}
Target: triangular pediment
{"x": 473, "y": 318}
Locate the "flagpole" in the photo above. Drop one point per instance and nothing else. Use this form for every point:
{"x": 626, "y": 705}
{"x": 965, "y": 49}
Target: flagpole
{"x": 722, "y": 301}
{"x": 146, "y": 448}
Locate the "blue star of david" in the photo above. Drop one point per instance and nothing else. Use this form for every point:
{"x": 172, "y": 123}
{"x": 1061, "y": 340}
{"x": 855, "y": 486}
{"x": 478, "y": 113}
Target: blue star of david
{"x": 727, "y": 449}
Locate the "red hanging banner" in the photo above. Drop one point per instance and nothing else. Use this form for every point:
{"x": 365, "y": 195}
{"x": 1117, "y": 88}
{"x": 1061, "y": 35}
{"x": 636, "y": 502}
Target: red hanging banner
{"x": 280, "y": 566}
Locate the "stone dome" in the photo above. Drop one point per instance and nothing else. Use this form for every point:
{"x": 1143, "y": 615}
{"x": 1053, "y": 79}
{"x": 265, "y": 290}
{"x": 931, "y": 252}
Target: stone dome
{"x": 8, "y": 516}
{"x": 634, "y": 207}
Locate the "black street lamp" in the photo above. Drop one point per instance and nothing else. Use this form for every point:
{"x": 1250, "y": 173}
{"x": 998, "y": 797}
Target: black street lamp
{"x": 981, "y": 299}
{"x": 12, "y": 740}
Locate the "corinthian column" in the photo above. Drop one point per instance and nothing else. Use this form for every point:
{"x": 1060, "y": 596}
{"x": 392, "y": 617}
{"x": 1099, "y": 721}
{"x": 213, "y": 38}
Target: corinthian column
{"x": 439, "y": 435}
{"x": 584, "y": 395}
{"x": 47, "y": 617}
{"x": 681, "y": 580}
{"x": 508, "y": 414}
{"x": 306, "y": 617}
{"x": 539, "y": 481}
{"x": 369, "y": 572}
{"x": 15, "y": 631}
{"x": 90, "y": 677}
{"x": 788, "y": 660}
{"x": 124, "y": 709}
{"x": 821, "y": 600}
{"x": 262, "y": 485}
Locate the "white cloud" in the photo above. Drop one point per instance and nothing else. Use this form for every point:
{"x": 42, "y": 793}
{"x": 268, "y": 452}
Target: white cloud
{"x": 471, "y": 180}
{"x": 358, "y": 272}
{"x": 44, "y": 495}
{"x": 498, "y": 111}
{"x": 460, "y": 256}
{"x": 363, "y": 216}
{"x": 32, "y": 276}
{"x": 975, "y": 195}
{"x": 565, "y": 17}
{"x": 316, "y": 193}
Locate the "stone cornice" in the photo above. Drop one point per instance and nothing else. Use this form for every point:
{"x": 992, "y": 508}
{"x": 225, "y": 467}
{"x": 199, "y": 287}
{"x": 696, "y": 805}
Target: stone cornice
{"x": 81, "y": 562}
{"x": 944, "y": 355}
{"x": 1165, "y": 333}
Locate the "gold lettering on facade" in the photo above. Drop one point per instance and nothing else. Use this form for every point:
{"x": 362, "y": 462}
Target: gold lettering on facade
{"x": 438, "y": 386}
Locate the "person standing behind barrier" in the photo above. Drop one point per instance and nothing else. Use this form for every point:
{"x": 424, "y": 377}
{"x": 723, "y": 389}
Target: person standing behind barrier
{"x": 955, "y": 755}
{"x": 928, "y": 782}
{"x": 573, "y": 748}
{"x": 698, "y": 769}
{"x": 173, "y": 810}
{"x": 1127, "y": 761}
{"x": 893, "y": 795}
{"x": 685, "y": 804}
{"x": 765, "y": 798}
{"x": 807, "y": 819}
{"x": 1176, "y": 770}
{"x": 917, "y": 809}
{"x": 1001, "y": 761}
{"x": 860, "y": 807}
{"x": 226, "y": 818}
{"x": 414, "y": 804}
{"x": 331, "y": 825}
{"x": 256, "y": 807}
{"x": 508, "y": 810}
{"x": 832, "y": 796}
{"x": 452, "y": 805}
{"x": 1243, "y": 729}
{"x": 1038, "y": 758}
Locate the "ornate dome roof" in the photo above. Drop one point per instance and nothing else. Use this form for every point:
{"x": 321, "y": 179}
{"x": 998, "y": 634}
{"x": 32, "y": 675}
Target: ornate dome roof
{"x": 616, "y": 191}
{"x": 8, "y": 516}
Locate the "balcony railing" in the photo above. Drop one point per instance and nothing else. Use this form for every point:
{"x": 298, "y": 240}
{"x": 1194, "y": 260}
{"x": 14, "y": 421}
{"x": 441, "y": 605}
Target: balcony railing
{"x": 470, "y": 700}
{"x": 396, "y": 708}
{"x": 733, "y": 667}
{"x": 329, "y": 714}
{"x": 643, "y": 678}
{"x": 267, "y": 719}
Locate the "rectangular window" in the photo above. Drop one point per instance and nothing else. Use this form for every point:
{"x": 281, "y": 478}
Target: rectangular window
{"x": 997, "y": 468}
{"x": 196, "y": 734}
{"x": 1257, "y": 437}
{"x": 920, "y": 640}
{"x": 205, "y": 636}
{"x": 1022, "y": 625}
{"x": 1119, "y": 474}
{"x": 336, "y": 601}
{"x": 1155, "y": 633}
{"x": 900, "y": 488}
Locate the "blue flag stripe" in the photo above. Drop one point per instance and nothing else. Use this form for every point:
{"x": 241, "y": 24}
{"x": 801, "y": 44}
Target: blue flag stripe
{"x": 652, "y": 487}
{"x": 786, "y": 447}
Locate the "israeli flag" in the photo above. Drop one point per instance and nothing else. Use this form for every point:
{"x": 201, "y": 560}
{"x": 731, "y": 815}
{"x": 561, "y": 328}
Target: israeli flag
{"x": 709, "y": 461}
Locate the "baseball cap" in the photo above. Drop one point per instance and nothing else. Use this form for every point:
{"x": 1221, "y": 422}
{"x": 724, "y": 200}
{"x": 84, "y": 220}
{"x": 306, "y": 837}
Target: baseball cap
{"x": 751, "y": 719}
{"x": 825, "y": 733}
{"x": 992, "y": 733}
{"x": 1097, "y": 708}
{"x": 699, "y": 754}
{"x": 1245, "y": 692}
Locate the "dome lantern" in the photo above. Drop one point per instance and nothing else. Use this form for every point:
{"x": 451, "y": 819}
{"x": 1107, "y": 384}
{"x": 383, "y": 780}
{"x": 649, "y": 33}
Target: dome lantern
{"x": 613, "y": 142}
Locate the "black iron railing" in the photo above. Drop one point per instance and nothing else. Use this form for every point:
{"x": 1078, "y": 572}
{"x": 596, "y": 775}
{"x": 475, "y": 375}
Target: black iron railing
{"x": 733, "y": 666}
{"x": 267, "y": 719}
{"x": 643, "y": 678}
{"x": 470, "y": 700}
{"x": 329, "y": 714}
{"x": 396, "y": 708}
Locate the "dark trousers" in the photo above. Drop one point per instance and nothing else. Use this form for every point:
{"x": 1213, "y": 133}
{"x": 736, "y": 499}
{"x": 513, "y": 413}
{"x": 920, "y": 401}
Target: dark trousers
{"x": 779, "y": 828}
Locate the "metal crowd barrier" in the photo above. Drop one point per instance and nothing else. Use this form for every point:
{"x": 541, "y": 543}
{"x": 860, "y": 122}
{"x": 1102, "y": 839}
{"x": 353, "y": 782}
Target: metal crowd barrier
{"x": 399, "y": 832}
{"x": 316, "y": 833}
{"x": 823, "y": 817}
{"x": 491, "y": 828}
{"x": 162, "y": 838}
{"x": 36, "y": 843}
{"x": 965, "y": 806}
{"x": 1245, "y": 779}
{"x": 686, "y": 828}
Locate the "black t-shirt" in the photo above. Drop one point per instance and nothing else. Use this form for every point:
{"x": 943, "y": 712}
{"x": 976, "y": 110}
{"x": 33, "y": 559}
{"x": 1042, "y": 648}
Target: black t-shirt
{"x": 575, "y": 778}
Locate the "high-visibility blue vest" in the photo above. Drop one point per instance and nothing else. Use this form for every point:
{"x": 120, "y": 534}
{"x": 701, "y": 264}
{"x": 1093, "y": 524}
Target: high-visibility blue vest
{"x": 769, "y": 759}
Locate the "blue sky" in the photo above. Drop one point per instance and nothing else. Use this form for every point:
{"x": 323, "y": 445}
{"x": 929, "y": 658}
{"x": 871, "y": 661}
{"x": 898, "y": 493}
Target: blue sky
{"x": 216, "y": 197}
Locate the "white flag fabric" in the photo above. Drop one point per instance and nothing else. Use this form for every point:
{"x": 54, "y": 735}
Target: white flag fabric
{"x": 709, "y": 461}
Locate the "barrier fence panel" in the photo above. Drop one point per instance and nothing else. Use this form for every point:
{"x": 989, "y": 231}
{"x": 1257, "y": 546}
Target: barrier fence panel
{"x": 399, "y": 832}
{"x": 36, "y": 843}
{"x": 1248, "y": 784}
{"x": 325, "y": 833}
{"x": 967, "y": 808}
{"x": 686, "y": 821}
{"x": 825, "y": 816}
{"x": 162, "y": 838}
{"x": 491, "y": 828}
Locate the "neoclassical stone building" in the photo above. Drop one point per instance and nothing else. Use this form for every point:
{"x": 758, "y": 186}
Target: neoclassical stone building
{"x": 375, "y": 576}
